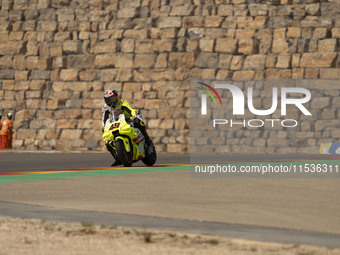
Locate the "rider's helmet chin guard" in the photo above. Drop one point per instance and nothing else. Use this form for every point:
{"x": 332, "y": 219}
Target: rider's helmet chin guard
{"x": 111, "y": 97}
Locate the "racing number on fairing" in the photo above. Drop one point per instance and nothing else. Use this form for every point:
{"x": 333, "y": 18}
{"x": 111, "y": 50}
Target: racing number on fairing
{"x": 114, "y": 126}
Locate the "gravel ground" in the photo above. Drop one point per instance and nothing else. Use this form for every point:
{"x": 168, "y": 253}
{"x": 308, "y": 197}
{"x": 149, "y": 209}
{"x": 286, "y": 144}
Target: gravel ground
{"x": 26, "y": 236}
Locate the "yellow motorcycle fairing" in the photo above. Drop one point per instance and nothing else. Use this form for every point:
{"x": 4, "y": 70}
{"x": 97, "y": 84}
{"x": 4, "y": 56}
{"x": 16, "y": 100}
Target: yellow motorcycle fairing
{"x": 122, "y": 130}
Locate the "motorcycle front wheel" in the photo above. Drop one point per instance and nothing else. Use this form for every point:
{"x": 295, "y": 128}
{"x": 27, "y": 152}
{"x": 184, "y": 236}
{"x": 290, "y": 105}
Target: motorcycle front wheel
{"x": 126, "y": 158}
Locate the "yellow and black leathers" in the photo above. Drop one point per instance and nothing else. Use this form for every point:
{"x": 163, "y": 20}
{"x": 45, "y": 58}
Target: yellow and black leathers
{"x": 123, "y": 106}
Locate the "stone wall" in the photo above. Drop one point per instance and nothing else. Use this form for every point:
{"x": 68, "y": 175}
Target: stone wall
{"x": 57, "y": 57}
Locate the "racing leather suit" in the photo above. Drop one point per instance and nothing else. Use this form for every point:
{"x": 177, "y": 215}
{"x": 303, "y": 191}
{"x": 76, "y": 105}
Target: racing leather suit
{"x": 123, "y": 106}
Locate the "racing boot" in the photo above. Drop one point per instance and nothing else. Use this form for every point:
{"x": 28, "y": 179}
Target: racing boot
{"x": 141, "y": 126}
{"x": 148, "y": 141}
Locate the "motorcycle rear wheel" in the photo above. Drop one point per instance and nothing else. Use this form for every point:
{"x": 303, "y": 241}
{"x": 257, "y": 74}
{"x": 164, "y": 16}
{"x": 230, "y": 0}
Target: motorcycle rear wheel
{"x": 150, "y": 158}
{"x": 126, "y": 158}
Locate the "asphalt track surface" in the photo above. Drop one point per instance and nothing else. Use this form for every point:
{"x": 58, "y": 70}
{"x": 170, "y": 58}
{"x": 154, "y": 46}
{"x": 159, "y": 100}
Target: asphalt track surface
{"x": 296, "y": 211}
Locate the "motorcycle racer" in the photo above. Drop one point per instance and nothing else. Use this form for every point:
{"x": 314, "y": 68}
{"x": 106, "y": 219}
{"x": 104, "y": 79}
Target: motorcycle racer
{"x": 114, "y": 106}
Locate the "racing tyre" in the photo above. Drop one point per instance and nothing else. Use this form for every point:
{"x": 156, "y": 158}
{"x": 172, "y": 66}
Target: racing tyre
{"x": 124, "y": 156}
{"x": 150, "y": 155}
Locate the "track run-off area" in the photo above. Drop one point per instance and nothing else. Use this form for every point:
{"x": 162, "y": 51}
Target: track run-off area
{"x": 82, "y": 187}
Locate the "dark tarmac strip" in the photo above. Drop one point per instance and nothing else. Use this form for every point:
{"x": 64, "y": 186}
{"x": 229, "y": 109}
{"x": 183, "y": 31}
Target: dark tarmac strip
{"x": 13, "y": 161}
{"x": 249, "y": 232}
{"x": 16, "y": 161}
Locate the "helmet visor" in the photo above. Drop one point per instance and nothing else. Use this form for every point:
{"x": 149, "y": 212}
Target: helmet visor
{"x": 111, "y": 101}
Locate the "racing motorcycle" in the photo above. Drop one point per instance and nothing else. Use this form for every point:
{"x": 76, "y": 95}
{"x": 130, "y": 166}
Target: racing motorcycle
{"x": 127, "y": 143}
